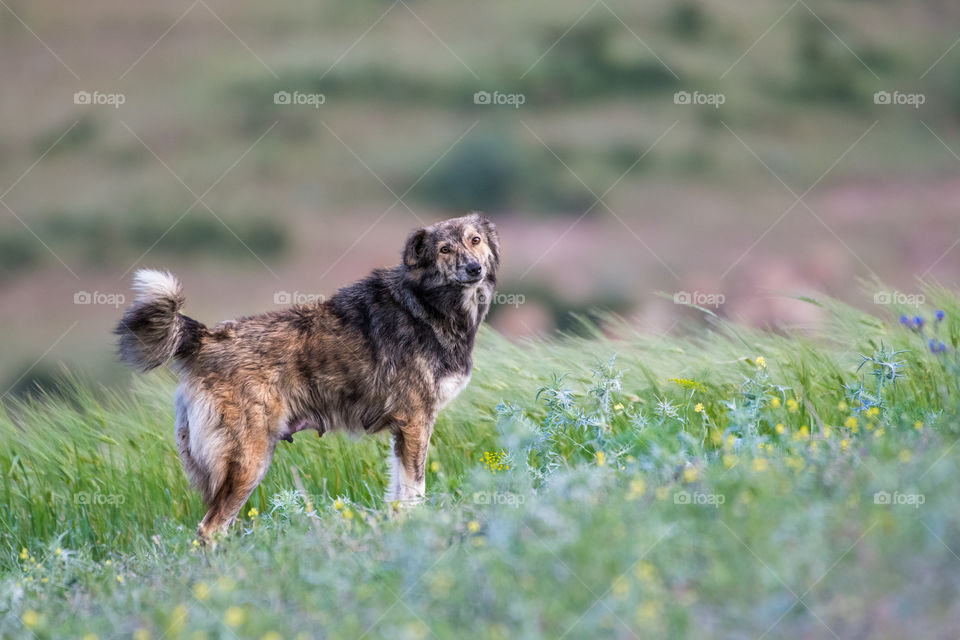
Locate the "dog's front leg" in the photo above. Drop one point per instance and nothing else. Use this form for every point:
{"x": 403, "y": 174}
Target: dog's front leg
{"x": 408, "y": 462}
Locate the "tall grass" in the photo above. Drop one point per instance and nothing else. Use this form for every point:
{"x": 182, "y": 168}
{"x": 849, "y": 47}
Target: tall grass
{"x": 700, "y": 482}
{"x": 100, "y": 468}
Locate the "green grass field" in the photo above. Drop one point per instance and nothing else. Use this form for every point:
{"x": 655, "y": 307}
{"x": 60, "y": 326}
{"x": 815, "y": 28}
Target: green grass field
{"x": 723, "y": 483}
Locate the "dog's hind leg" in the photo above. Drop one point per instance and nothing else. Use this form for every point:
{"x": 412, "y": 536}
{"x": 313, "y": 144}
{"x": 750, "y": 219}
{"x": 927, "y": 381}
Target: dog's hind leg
{"x": 196, "y": 474}
{"x": 242, "y": 477}
{"x": 246, "y": 447}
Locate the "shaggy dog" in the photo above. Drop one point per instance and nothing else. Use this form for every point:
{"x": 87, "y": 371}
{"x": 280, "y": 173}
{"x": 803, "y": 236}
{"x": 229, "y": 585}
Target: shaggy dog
{"x": 385, "y": 353}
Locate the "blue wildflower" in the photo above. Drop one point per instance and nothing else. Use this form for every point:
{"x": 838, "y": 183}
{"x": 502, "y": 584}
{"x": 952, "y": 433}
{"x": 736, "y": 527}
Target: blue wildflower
{"x": 918, "y": 322}
{"x": 940, "y": 315}
{"x": 933, "y": 345}
{"x": 905, "y": 321}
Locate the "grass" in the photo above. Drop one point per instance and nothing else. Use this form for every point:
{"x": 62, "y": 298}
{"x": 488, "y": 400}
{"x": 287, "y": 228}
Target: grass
{"x": 726, "y": 483}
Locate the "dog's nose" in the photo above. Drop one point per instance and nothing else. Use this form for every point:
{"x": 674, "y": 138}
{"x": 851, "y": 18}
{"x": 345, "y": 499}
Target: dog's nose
{"x": 474, "y": 269}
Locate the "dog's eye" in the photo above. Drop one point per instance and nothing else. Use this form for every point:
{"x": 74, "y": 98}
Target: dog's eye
{"x": 444, "y": 249}
{"x": 475, "y": 240}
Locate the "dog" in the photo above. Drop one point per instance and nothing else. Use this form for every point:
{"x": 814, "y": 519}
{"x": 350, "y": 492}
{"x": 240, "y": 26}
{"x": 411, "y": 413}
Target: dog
{"x": 386, "y": 353}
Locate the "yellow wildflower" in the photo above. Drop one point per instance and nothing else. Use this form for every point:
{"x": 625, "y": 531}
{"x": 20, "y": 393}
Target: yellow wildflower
{"x": 775, "y": 402}
{"x": 760, "y": 465}
{"x": 234, "y": 616}
{"x": 690, "y": 474}
{"x": 792, "y": 405}
{"x": 435, "y": 466}
{"x": 253, "y": 513}
{"x": 620, "y": 588}
{"x": 761, "y": 362}
{"x": 178, "y": 620}
{"x": 698, "y": 408}
{"x": 601, "y": 458}
{"x": 637, "y": 488}
{"x": 30, "y": 618}
{"x": 842, "y": 406}
{"x": 905, "y": 456}
{"x": 796, "y": 462}
{"x": 780, "y": 428}
{"x": 338, "y": 504}
{"x": 24, "y": 553}
{"x": 202, "y": 591}
{"x": 729, "y": 460}
{"x": 850, "y": 422}
{"x": 918, "y": 425}
{"x": 873, "y": 412}
{"x": 645, "y": 572}
{"x": 473, "y": 526}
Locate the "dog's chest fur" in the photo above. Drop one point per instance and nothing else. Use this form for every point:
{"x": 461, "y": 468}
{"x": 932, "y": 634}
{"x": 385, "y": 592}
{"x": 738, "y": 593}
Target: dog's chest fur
{"x": 450, "y": 387}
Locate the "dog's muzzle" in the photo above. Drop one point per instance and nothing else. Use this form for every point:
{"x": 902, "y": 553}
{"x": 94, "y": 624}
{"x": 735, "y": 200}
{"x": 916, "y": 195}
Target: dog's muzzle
{"x": 471, "y": 273}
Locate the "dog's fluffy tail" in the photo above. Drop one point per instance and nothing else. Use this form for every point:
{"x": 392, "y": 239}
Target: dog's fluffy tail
{"x": 152, "y": 330}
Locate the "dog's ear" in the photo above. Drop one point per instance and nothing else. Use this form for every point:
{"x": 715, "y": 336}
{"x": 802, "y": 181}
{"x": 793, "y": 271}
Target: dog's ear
{"x": 490, "y": 231}
{"x": 415, "y": 250}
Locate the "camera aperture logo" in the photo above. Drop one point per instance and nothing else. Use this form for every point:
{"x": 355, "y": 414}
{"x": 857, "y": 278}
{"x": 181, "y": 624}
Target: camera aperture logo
{"x": 297, "y": 97}
{"x": 699, "y": 499}
{"x": 115, "y": 300}
{"x": 497, "y": 98}
{"x": 296, "y": 297}
{"x": 699, "y": 298}
{"x": 114, "y": 100}
{"x": 697, "y": 98}
{"x": 899, "y": 98}
{"x": 899, "y": 499}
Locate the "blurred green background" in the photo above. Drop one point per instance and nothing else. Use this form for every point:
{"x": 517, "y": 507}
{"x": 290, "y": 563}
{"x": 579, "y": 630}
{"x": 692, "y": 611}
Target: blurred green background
{"x": 626, "y": 149}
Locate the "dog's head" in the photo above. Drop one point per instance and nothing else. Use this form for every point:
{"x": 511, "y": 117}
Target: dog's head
{"x": 461, "y": 252}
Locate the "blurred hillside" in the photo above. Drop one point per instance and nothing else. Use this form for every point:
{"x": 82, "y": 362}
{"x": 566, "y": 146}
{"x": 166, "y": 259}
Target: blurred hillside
{"x": 732, "y": 153}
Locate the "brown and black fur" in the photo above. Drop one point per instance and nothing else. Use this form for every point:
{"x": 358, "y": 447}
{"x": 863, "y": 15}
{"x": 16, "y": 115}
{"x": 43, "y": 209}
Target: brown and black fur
{"x": 383, "y": 354}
